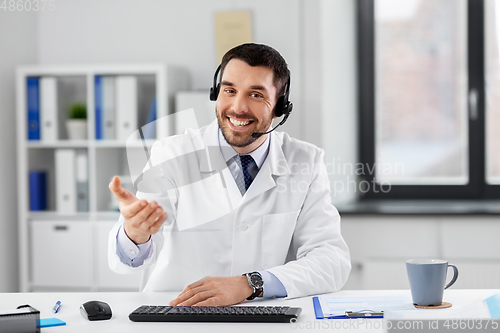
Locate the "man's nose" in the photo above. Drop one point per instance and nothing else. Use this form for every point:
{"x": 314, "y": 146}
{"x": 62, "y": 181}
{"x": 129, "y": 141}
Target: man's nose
{"x": 240, "y": 104}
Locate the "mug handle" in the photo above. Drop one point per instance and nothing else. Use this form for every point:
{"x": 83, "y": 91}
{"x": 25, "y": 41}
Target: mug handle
{"x": 455, "y": 276}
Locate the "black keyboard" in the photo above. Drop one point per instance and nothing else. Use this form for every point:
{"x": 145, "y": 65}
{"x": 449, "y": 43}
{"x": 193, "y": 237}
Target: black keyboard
{"x": 240, "y": 314}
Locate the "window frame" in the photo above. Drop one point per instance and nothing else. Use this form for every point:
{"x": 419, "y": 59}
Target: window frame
{"x": 477, "y": 188}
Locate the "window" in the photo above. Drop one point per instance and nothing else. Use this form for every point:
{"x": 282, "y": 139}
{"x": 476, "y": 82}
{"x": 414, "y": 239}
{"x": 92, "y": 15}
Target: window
{"x": 492, "y": 57}
{"x": 422, "y": 103}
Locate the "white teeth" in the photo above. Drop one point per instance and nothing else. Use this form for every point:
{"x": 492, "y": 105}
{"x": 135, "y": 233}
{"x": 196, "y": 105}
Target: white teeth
{"x": 238, "y": 123}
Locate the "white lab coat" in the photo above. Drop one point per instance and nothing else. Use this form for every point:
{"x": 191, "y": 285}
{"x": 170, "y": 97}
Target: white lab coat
{"x": 284, "y": 223}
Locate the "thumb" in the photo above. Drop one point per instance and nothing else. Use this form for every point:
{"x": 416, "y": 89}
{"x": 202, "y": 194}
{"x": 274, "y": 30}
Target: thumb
{"x": 115, "y": 185}
{"x": 120, "y": 193}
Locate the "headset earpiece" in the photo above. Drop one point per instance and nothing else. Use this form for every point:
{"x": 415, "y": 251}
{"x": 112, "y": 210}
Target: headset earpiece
{"x": 279, "y": 106}
{"x": 284, "y": 106}
{"x": 214, "y": 91}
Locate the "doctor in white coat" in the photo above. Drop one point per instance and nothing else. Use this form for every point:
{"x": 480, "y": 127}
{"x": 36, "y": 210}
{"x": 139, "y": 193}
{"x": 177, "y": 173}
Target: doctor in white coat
{"x": 224, "y": 215}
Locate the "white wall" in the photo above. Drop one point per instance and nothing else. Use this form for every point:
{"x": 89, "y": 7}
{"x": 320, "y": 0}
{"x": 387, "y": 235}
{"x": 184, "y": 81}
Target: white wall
{"x": 19, "y": 46}
{"x": 175, "y": 32}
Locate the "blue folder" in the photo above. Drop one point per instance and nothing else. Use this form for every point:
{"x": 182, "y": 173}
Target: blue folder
{"x": 33, "y": 104}
{"x": 38, "y": 190}
{"x": 319, "y": 313}
{"x": 98, "y": 107}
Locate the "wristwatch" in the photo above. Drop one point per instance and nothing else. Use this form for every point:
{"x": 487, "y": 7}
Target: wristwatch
{"x": 256, "y": 282}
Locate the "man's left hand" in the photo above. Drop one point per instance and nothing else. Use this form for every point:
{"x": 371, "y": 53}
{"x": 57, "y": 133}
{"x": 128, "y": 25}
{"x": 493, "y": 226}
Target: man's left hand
{"x": 214, "y": 291}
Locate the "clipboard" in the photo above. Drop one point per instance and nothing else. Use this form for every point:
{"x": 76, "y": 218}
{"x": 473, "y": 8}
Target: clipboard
{"x": 348, "y": 314}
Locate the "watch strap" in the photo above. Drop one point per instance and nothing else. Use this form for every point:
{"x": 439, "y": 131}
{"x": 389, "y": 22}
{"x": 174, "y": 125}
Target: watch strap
{"x": 255, "y": 294}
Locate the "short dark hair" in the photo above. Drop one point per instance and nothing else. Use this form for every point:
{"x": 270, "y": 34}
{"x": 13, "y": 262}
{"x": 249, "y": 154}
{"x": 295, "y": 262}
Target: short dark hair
{"x": 261, "y": 55}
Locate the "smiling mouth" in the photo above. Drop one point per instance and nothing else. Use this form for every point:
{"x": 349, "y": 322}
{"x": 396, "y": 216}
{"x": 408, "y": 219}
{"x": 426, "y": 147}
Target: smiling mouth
{"x": 239, "y": 123}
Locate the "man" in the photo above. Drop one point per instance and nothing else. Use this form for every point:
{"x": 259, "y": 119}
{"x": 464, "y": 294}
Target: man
{"x": 236, "y": 215}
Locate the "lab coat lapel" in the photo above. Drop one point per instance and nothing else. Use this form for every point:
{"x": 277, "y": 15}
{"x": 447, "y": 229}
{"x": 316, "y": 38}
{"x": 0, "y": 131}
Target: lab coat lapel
{"x": 274, "y": 165}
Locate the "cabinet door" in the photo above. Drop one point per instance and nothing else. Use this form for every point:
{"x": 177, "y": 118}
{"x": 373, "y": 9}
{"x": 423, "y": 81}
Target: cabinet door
{"x": 106, "y": 278}
{"x": 61, "y": 253}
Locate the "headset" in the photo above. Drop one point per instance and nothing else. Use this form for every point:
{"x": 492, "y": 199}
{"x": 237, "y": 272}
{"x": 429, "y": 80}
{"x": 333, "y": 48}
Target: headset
{"x": 283, "y": 105}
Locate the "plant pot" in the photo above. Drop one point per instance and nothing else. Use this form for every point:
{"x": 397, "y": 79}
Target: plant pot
{"x": 77, "y": 129}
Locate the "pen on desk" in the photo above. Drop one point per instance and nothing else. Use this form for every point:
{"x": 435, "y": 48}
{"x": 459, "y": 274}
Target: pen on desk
{"x": 56, "y": 307}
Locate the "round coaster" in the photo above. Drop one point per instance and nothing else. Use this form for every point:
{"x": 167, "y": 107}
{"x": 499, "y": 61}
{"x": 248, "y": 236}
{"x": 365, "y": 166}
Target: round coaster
{"x": 443, "y": 305}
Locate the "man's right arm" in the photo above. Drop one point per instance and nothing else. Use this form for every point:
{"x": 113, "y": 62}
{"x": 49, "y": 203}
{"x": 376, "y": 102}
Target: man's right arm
{"x": 137, "y": 229}
{"x": 130, "y": 253}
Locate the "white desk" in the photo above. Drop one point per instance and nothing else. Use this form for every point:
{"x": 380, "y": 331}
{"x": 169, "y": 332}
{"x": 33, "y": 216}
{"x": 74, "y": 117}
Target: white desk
{"x": 124, "y": 303}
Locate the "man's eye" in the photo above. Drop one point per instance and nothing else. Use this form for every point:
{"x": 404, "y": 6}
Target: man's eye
{"x": 229, "y": 91}
{"x": 256, "y": 95}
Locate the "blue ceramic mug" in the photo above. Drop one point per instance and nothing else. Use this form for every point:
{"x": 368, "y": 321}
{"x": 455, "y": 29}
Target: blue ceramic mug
{"x": 427, "y": 280}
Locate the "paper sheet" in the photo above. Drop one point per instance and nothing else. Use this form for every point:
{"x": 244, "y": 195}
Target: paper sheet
{"x": 231, "y": 29}
{"x": 338, "y": 305}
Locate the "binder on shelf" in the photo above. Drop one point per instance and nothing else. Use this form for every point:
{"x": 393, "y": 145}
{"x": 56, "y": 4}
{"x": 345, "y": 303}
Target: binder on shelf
{"x": 65, "y": 181}
{"x": 98, "y": 106}
{"x": 38, "y": 190}
{"x": 24, "y": 319}
{"x": 48, "y": 109}
{"x": 149, "y": 130}
{"x": 126, "y": 106}
{"x": 33, "y": 103}
{"x": 82, "y": 181}
{"x": 108, "y": 108}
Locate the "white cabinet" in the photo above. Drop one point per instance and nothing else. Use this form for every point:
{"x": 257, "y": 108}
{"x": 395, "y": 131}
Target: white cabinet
{"x": 67, "y": 249}
{"x": 61, "y": 253}
{"x": 107, "y": 279}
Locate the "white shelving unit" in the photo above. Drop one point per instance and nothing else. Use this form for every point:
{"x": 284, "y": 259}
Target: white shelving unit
{"x": 69, "y": 251}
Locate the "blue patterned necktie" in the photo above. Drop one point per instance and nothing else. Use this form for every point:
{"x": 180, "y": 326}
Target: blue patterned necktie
{"x": 246, "y": 162}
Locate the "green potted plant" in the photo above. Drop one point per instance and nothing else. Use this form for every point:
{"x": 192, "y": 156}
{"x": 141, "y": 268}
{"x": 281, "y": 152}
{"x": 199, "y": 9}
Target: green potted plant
{"x": 76, "y": 124}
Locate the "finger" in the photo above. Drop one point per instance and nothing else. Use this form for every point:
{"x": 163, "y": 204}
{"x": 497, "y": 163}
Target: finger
{"x": 131, "y": 210}
{"x": 186, "y": 294}
{"x": 195, "y": 284}
{"x": 157, "y": 225}
{"x": 147, "y": 216}
{"x": 152, "y": 218}
{"x": 210, "y": 301}
{"x": 198, "y": 299}
{"x": 120, "y": 193}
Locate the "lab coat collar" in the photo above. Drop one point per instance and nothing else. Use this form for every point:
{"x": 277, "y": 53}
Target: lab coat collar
{"x": 259, "y": 155}
{"x": 214, "y": 158}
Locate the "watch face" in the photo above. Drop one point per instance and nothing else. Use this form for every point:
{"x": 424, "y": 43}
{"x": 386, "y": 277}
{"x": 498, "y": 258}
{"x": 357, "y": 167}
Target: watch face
{"x": 256, "y": 280}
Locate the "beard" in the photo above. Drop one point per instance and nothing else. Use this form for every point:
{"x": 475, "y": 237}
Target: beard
{"x": 241, "y": 139}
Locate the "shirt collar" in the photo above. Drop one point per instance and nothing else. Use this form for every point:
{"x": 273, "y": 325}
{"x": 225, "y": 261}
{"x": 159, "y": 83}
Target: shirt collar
{"x": 259, "y": 155}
